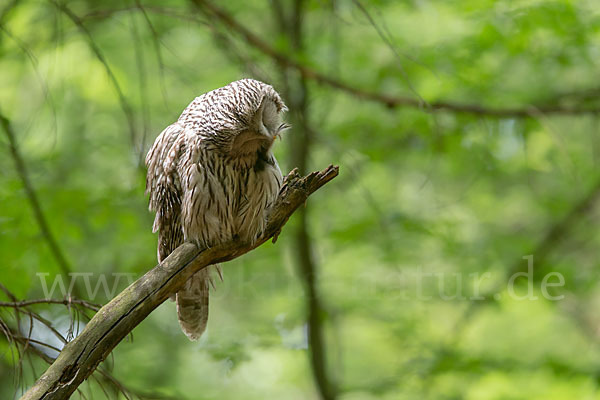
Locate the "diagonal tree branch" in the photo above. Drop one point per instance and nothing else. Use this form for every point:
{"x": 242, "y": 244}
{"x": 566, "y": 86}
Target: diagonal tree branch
{"x": 562, "y": 227}
{"x": 40, "y": 218}
{"x": 7, "y": 9}
{"x": 385, "y": 99}
{"x": 554, "y": 235}
{"x": 114, "y": 321}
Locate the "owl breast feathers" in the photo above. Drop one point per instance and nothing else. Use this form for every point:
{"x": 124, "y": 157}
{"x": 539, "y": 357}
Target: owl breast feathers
{"x": 212, "y": 178}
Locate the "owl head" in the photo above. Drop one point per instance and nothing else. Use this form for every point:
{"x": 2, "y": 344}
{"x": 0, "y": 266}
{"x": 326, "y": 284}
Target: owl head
{"x": 239, "y": 119}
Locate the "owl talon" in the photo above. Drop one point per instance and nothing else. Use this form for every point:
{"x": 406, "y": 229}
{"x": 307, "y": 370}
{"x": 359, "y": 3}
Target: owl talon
{"x": 220, "y": 272}
{"x": 276, "y": 236}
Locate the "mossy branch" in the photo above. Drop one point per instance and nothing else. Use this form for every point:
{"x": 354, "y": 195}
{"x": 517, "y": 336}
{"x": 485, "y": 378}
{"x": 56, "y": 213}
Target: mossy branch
{"x": 113, "y": 322}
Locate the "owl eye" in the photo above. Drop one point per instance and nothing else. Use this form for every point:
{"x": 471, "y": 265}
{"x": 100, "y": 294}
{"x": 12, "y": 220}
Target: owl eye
{"x": 283, "y": 127}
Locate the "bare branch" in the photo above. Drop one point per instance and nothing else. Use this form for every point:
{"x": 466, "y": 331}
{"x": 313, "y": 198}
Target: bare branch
{"x": 40, "y": 218}
{"x": 156, "y": 43}
{"x": 126, "y": 391}
{"x": 7, "y": 292}
{"x": 23, "y": 341}
{"x": 38, "y": 317}
{"x": 385, "y": 99}
{"x": 114, "y": 321}
{"x": 550, "y": 240}
{"x": 173, "y": 13}
{"x": 561, "y": 228}
{"x": 390, "y": 45}
{"x": 34, "y": 65}
{"x": 66, "y": 302}
{"x": 100, "y": 56}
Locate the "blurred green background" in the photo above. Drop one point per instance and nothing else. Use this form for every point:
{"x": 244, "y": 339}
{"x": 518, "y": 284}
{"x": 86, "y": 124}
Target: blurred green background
{"x": 412, "y": 247}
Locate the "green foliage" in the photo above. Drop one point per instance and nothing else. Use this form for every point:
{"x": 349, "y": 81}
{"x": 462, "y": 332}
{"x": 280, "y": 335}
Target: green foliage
{"x": 426, "y": 203}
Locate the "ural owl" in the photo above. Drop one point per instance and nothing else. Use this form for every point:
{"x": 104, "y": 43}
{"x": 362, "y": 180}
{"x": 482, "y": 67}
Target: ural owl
{"x": 212, "y": 178}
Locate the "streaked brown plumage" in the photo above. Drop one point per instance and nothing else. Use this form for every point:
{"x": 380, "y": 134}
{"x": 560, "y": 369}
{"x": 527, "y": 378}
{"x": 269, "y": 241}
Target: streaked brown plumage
{"x": 212, "y": 177}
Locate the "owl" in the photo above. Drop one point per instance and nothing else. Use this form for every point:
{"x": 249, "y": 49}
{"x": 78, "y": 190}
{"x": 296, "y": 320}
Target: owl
{"x": 212, "y": 178}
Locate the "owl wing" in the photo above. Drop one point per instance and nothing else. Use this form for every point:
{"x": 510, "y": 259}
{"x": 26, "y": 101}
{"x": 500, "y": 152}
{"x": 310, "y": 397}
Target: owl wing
{"x": 163, "y": 184}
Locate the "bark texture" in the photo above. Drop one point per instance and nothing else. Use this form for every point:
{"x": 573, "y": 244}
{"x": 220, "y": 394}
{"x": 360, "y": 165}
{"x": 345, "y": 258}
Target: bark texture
{"x": 113, "y": 322}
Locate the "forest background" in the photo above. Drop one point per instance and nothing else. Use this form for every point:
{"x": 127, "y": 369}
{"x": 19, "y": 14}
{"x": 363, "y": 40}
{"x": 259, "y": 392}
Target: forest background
{"x": 468, "y": 138}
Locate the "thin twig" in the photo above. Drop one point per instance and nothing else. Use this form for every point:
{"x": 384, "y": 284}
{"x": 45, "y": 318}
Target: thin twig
{"x": 66, "y": 302}
{"x": 156, "y": 43}
{"x": 40, "y": 218}
{"x": 22, "y": 340}
{"x": 28, "y": 339}
{"x": 16, "y": 339}
{"x": 387, "y": 41}
{"x": 31, "y": 314}
{"x": 100, "y": 56}
{"x": 557, "y": 231}
{"x": 142, "y": 79}
{"x": 126, "y": 391}
{"x": 35, "y": 66}
{"x": 549, "y": 241}
{"x": 172, "y": 13}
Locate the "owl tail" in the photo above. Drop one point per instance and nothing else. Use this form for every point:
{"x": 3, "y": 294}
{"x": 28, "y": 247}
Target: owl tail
{"x": 192, "y": 304}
